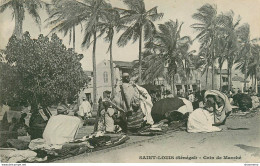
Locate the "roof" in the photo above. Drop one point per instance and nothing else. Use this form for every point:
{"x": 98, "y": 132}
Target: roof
{"x": 123, "y": 64}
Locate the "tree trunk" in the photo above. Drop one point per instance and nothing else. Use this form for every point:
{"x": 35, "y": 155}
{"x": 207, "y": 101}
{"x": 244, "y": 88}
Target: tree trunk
{"x": 173, "y": 85}
{"x": 140, "y": 57}
{"x": 213, "y": 74}
{"x": 229, "y": 77}
{"x": 74, "y": 37}
{"x": 94, "y": 73}
{"x": 245, "y": 75}
{"x": 112, "y": 67}
{"x": 256, "y": 74}
{"x": 207, "y": 72}
{"x": 220, "y": 78}
{"x": 95, "y": 81}
{"x": 18, "y": 29}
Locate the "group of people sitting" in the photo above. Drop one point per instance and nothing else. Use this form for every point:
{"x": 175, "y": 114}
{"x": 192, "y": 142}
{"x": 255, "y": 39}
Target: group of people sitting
{"x": 131, "y": 109}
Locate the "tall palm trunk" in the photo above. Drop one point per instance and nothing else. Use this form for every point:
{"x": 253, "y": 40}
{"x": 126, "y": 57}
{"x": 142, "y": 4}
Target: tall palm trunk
{"x": 140, "y": 57}
{"x": 74, "y": 37}
{"x": 112, "y": 67}
{"x": 95, "y": 82}
{"x": 94, "y": 73}
{"x": 230, "y": 77}
{"x": 18, "y": 29}
{"x": 207, "y": 73}
{"x": 220, "y": 78}
{"x": 173, "y": 85}
{"x": 245, "y": 75}
{"x": 213, "y": 74}
{"x": 256, "y": 74}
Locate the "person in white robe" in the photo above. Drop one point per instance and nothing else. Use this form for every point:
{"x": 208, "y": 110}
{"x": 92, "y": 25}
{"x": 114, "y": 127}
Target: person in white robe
{"x": 61, "y": 128}
{"x": 201, "y": 120}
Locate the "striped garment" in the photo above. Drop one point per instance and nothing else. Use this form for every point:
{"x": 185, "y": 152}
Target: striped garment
{"x": 135, "y": 120}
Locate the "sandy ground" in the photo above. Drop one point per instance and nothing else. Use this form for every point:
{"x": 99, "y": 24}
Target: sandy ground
{"x": 242, "y": 144}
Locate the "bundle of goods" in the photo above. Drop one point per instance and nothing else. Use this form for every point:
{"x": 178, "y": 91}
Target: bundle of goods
{"x": 243, "y": 101}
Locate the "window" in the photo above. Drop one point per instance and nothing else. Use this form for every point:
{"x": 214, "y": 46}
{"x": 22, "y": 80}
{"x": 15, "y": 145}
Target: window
{"x": 105, "y": 75}
{"x": 224, "y": 79}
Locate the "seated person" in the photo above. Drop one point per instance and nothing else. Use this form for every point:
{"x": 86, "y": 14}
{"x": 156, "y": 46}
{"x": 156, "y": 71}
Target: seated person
{"x": 202, "y": 119}
{"x": 38, "y": 122}
{"x": 61, "y": 128}
{"x": 23, "y": 128}
{"x": 14, "y": 126}
{"x": 222, "y": 106}
{"x": 107, "y": 113}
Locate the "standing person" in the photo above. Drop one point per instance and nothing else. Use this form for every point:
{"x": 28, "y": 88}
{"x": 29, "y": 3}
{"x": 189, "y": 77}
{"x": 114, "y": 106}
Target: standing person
{"x": 128, "y": 98}
{"x": 84, "y": 109}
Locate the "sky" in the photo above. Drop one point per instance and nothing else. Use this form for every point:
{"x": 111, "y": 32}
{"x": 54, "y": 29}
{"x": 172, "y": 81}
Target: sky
{"x": 249, "y": 11}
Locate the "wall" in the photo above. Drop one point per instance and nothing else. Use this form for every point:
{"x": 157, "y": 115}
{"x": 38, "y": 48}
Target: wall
{"x": 102, "y": 86}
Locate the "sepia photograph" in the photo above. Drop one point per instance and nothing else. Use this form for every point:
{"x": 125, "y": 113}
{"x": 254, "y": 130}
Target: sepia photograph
{"x": 129, "y": 81}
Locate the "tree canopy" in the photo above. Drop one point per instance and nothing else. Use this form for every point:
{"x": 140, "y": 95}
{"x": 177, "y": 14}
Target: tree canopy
{"x": 40, "y": 71}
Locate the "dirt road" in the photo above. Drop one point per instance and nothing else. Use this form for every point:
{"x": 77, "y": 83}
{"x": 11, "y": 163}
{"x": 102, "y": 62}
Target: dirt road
{"x": 240, "y": 143}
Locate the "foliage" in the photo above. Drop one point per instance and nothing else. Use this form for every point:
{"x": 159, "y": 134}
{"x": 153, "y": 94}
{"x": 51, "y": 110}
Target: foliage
{"x": 167, "y": 47}
{"x": 19, "y": 7}
{"x": 137, "y": 17}
{"x": 140, "y": 24}
{"x": 40, "y": 71}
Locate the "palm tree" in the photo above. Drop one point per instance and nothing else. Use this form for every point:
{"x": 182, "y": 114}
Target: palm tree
{"x": 95, "y": 10}
{"x": 168, "y": 47}
{"x": 228, "y": 42}
{"x": 139, "y": 20}
{"x": 207, "y": 27}
{"x": 19, "y": 7}
{"x": 245, "y": 53}
{"x": 187, "y": 57}
{"x": 109, "y": 24}
{"x": 253, "y": 65}
{"x": 63, "y": 17}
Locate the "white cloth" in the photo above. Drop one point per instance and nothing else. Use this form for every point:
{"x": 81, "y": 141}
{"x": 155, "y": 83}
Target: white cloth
{"x": 85, "y": 108}
{"x": 146, "y": 104}
{"x": 255, "y": 101}
{"x": 222, "y": 111}
{"x": 185, "y": 108}
{"x": 109, "y": 121}
{"x": 20, "y": 155}
{"x": 200, "y": 120}
{"x": 40, "y": 143}
{"x": 61, "y": 129}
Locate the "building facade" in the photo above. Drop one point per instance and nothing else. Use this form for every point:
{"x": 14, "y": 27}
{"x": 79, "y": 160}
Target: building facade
{"x": 120, "y": 67}
{"x": 237, "y": 80}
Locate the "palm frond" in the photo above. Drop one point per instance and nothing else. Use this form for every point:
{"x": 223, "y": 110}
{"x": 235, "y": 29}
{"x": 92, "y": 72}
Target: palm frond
{"x": 5, "y": 4}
